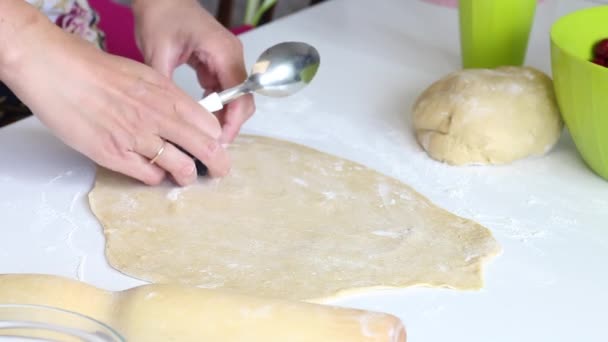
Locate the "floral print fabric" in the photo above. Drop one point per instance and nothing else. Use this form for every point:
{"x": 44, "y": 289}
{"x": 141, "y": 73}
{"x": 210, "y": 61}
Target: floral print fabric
{"x": 73, "y": 16}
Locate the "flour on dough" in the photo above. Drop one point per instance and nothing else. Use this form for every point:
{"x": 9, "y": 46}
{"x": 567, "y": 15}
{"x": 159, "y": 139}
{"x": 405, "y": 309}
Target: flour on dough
{"x": 488, "y": 116}
{"x": 288, "y": 222}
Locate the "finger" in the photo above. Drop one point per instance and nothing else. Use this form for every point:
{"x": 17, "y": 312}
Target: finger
{"x": 168, "y": 157}
{"x": 222, "y": 69}
{"x": 163, "y": 60}
{"x": 135, "y": 166}
{"x": 236, "y": 114}
{"x": 207, "y": 79}
{"x": 230, "y": 68}
{"x": 207, "y": 149}
{"x": 193, "y": 113}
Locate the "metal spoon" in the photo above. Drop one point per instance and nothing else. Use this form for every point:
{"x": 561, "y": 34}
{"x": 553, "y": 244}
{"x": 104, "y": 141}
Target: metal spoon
{"x": 280, "y": 71}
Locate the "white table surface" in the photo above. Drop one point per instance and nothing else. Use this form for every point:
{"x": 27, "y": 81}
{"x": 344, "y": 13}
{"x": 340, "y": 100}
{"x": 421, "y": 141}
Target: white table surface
{"x": 550, "y": 214}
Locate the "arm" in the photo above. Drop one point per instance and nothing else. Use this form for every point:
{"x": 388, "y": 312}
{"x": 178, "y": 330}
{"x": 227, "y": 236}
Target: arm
{"x": 115, "y": 111}
{"x": 17, "y": 21}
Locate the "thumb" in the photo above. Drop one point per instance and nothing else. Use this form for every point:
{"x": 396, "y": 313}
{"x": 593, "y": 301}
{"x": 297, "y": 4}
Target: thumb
{"x": 163, "y": 60}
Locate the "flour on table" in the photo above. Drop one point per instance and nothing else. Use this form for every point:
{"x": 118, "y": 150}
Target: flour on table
{"x": 173, "y": 194}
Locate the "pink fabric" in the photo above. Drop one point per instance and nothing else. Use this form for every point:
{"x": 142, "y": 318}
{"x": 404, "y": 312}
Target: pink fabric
{"x": 447, "y": 3}
{"x": 116, "y": 21}
{"x": 82, "y": 21}
{"x": 241, "y": 29}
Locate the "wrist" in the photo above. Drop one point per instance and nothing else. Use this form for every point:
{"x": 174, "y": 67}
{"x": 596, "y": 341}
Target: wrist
{"x": 140, "y": 5}
{"x": 20, "y": 25}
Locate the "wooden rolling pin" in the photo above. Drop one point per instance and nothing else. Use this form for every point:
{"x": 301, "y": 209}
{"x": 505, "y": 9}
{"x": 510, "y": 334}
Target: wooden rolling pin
{"x": 159, "y": 312}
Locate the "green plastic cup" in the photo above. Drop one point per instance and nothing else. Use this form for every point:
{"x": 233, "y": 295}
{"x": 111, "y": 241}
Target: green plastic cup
{"x": 495, "y": 33}
{"x": 581, "y": 87}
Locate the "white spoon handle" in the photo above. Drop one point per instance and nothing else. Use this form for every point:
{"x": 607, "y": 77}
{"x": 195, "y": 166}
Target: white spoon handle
{"x": 212, "y": 102}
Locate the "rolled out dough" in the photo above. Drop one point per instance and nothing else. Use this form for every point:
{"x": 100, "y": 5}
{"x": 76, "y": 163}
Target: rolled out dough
{"x": 288, "y": 222}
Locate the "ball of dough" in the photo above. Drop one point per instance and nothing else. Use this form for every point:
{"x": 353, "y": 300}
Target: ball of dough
{"x": 488, "y": 116}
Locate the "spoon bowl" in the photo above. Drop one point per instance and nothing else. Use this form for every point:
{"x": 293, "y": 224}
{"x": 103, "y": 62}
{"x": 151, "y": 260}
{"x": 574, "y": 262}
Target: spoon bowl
{"x": 284, "y": 69}
{"x": 280, "y": 71}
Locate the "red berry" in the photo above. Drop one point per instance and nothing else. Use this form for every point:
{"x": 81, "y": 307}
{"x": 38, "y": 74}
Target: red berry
{"x": 601, "y": 49}
{"x": 600, "y": 61}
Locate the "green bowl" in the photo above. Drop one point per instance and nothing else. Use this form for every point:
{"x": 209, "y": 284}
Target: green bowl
{"x": 581, "y": 87}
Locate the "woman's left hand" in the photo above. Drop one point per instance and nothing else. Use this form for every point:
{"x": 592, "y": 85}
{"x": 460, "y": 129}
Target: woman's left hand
{"x": 174, "y": 32}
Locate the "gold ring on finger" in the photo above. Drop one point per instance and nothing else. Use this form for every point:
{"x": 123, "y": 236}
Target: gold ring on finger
{"x": 160, "y": 151}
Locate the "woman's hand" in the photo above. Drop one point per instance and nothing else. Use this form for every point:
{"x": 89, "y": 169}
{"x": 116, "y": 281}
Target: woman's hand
{"x": 116, "y": 111}
{"x": 173, "y": 32}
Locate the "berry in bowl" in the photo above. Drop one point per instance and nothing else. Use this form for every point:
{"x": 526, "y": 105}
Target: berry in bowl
{"x": 600, "y": 53}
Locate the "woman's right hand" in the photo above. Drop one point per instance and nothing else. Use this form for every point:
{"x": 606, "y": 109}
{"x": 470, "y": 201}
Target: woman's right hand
{"x": 115, "y": 111}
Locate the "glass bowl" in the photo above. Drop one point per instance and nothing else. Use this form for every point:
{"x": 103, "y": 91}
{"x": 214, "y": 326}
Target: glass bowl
{"x": 20, "y": 322}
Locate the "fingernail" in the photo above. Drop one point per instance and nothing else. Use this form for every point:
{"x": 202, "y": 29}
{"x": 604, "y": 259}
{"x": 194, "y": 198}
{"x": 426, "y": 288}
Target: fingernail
{"x": 189, "y": 173}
